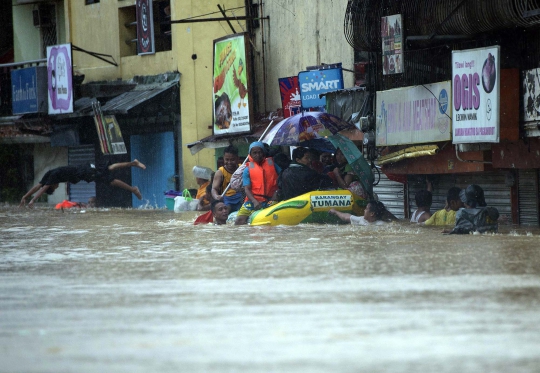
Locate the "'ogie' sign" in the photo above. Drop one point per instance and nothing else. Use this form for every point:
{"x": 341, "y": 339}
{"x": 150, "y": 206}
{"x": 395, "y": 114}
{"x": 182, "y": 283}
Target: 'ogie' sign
{"x": 475, "y": 93}
{"x": 314, "y": 82}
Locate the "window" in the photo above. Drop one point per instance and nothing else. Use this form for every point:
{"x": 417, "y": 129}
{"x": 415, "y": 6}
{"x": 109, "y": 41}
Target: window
{"x": 128, "y": 28}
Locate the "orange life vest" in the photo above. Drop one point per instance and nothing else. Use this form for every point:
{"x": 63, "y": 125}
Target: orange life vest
{"x": 263, "y": 179}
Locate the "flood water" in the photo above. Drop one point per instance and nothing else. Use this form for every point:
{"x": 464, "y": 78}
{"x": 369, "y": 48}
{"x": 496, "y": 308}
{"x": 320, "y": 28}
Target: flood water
{"x": 146, "y": 291}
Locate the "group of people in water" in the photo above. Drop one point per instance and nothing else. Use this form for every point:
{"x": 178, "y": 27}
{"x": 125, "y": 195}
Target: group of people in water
{"x": 265, "y": 179}
{"x": 268, "y": 179}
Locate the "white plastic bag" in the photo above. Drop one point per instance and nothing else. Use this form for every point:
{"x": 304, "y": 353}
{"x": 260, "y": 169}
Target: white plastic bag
{"x": 185, "y": 202}
{"x": 236, "y": 182}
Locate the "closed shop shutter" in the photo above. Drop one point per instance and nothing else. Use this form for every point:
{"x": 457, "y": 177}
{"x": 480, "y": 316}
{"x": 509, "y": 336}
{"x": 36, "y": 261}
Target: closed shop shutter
{"x": 81, "y": 191}
{"x": 528, "y": 197}
{"x": 391, "y": 193}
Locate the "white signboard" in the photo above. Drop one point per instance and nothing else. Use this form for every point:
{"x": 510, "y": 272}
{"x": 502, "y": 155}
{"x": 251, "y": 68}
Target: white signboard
{"x": 60, "y": 79}
{"x": 476, "y": 95}
{"x": 531, "y": 95}
{"x": 330, "y": 201}
{"x": 414, "y": 115}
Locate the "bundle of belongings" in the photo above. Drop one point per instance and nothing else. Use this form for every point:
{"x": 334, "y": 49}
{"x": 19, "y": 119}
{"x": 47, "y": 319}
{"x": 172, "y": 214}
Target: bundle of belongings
{"x": 476, "y": 216}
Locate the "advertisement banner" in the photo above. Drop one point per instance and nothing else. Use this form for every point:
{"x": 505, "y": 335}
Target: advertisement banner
{"x": 531, "y": 95}
{"x": 290, "y": 96}
{"x": 414, "y": 115}
{"x": 29, "y": 90}
{"x": 314, "y": 82}
{"x": 476, "y": 95}
{"x": 392, "y": 52}
{"x": 110, "y": 136}
{"x": 232, "y": 111}
{"x": 145, "y": 27}
{"x": 60, "y": 79}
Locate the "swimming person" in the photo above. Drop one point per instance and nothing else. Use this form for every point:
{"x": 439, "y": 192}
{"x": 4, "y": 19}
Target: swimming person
{"x": 87, "y": 172}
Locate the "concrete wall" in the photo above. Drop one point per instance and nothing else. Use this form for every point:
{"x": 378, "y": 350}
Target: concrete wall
{"x": 26, "y": 37}
{"x": 196, "y": 88}
{"x": 298, "y": 34}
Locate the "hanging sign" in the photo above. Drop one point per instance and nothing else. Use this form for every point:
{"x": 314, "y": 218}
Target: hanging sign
{"x": 391, "y": 36}
{"x": 315, "y": 82}
{"x": 145, "y": 27}
{"x": 60, "y": 79}
{"x": 476, "y": 95}
{"x": 290, "y": 96}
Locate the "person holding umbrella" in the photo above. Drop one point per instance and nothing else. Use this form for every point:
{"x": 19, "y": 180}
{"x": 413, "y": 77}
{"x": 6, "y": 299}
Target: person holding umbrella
{"x": 260, "y": 181}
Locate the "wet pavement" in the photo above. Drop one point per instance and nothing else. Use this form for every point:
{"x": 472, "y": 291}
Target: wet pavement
{"x": 115, "y": 290}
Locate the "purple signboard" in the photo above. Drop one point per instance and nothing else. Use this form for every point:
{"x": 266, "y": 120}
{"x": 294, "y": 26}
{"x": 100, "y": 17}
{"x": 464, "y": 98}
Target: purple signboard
{"x": 60, "y": 79}
{"x": 145, "y": 27}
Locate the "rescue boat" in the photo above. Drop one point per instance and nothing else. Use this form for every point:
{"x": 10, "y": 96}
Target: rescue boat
{"x": 311, "y": 207}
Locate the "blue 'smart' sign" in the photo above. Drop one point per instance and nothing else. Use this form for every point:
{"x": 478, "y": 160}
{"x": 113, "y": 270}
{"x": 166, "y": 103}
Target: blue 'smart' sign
{"x": 314, "y": 82}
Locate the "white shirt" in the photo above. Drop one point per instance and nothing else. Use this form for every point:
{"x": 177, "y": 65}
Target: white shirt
{"x": 360, "y": 220}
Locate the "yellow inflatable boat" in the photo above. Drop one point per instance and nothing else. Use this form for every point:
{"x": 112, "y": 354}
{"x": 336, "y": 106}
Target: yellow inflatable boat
{"x": 311, "y": 207}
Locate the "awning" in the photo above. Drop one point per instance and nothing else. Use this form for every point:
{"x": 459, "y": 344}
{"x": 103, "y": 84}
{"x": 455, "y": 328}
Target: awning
{"x": 222, "y": 141}
{"x": 141, "y": 93}
{"x": 411, "y": 152}
{"x": 146, "y": 89}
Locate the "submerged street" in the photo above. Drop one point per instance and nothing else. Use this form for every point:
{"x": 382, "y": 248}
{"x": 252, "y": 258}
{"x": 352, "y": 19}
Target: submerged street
{"x": 113, "y": 290}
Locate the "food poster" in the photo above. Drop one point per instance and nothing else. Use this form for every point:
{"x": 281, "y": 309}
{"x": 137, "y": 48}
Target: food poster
{"x": 391, "y": 35}
{"x": 476, "y": 95}
{"x": 231, "y": 86}
{"x": 290, "y": 96}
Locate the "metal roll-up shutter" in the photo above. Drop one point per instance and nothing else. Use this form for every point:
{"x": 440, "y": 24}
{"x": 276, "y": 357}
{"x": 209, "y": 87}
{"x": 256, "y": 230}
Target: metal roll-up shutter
{"x": 81, "y": 191}
{"x": 528, "y": 197}
{"x": 391, "y": 193}
{"x": 496, "y": 192}
{"x": 440, "y": 185}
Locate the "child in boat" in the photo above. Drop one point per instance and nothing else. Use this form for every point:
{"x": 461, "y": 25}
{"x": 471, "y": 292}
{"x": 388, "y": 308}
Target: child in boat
{"x": 222, "y": 179}
{"x": 373, "y": 215}
{"x": 87, "y": 172}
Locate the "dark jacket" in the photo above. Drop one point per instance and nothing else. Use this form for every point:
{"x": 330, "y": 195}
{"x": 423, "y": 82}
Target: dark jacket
{"x": 298, "y": 179}
{"x": 480, "y": 219}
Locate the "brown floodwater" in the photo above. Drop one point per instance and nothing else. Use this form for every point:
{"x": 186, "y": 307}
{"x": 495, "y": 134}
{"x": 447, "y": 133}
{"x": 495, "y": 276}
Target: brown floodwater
{"x": 121, "y": 290}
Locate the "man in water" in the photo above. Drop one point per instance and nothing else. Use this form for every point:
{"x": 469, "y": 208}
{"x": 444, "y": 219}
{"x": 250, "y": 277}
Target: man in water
{"x": 222, "y": 178}
{"x": 260, "y": 182}
{"x": 220, "y": 212}
{"x": 476, "y": 216}
{"x": 87, "y": 172}
{"x": 373, "y": 215}
{"x": 447, "y": 216}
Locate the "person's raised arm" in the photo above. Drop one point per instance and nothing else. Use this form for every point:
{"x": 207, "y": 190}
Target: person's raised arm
{"x": 342, "y": 215}
{"x": 38, "y": 194}
{"x": 29, "y": 194}
{"x": 216, "y": 185}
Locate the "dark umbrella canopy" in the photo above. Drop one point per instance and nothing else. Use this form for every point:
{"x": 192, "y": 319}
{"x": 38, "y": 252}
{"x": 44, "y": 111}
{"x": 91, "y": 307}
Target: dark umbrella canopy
{"x": 306, "y": 129}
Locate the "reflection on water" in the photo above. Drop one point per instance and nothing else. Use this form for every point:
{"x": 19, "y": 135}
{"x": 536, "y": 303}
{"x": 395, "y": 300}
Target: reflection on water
{"x": 112, "y": 290}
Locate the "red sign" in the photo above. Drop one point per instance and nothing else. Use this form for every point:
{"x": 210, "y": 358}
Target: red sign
{"x": 290, "y": 96}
